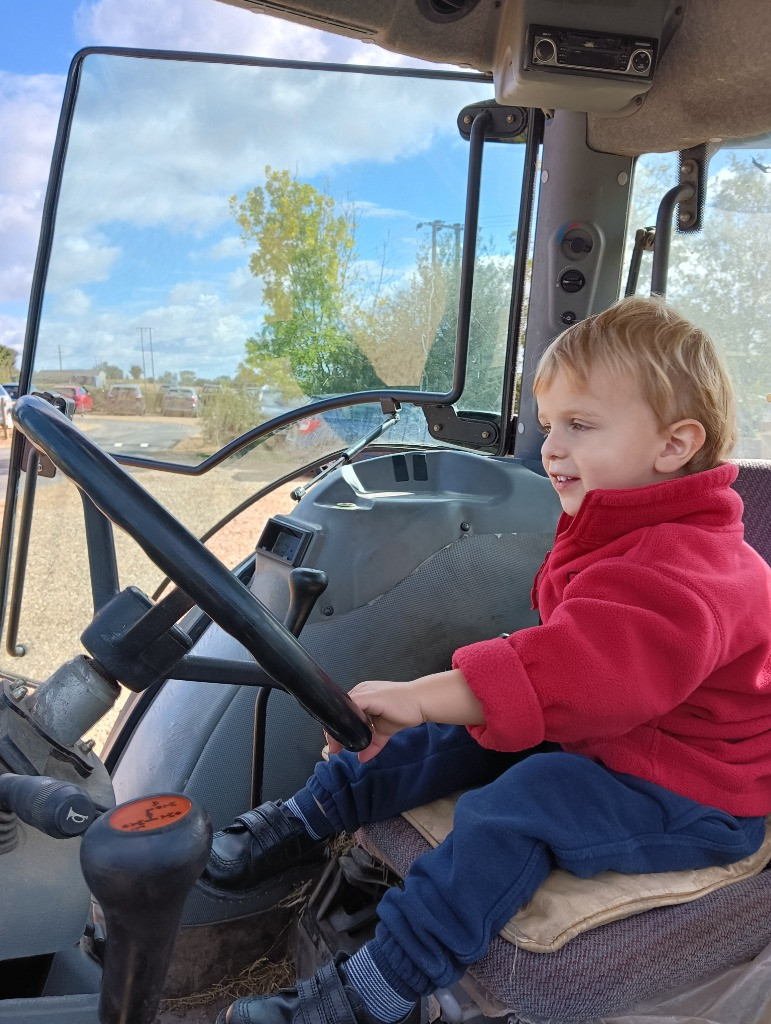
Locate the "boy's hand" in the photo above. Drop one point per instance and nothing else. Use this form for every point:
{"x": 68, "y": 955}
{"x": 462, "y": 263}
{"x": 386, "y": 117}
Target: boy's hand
{"x": 441, "y": 697}
{"x": 389, "y": 707}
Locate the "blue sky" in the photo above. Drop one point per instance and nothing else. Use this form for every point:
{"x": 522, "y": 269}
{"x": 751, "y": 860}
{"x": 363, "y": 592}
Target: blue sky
{"x": 37, "y": 41}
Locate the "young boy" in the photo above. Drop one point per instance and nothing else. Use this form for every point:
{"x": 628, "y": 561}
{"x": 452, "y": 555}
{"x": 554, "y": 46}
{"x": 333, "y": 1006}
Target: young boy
{"x": 631, "y": 731}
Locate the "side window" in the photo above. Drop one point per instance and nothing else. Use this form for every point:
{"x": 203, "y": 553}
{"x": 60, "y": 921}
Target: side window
{"x": 719, "y": 277}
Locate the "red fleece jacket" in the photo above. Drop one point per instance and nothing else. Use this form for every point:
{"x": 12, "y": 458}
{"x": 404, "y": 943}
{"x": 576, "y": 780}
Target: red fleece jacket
{"x": 654, "y": 656}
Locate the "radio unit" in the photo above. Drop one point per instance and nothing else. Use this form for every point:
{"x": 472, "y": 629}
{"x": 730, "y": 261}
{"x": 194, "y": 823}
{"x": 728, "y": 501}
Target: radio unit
{"x": 601, "y": 53}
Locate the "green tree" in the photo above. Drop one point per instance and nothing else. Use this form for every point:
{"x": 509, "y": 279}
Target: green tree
{"x": 7, "y": 362}
{"x": 110, "y": 371}
{"x": 304, "y": 248}
{"x": 135, "y": 371}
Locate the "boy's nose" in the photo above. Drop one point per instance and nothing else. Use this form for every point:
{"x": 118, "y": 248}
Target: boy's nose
{"x": 551, "y": 449}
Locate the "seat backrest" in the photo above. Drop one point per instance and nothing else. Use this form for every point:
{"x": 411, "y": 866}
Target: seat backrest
{"x": 754, "y": 486}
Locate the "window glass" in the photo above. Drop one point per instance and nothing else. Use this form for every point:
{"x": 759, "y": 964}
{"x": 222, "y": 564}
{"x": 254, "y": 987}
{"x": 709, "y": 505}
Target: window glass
{"x": 237, "y": 241}
{"x": 719, "y": 277}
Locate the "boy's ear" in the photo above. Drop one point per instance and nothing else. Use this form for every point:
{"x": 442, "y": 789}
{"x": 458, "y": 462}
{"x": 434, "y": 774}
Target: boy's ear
{"x": 682, "y": 440}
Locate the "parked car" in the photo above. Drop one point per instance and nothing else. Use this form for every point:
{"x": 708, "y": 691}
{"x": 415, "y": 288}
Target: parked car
{"x": 13, "y": 390}
{"x": 126, "y": 399}
{"x": 162, "y": 392}
{"x": 344, "y": 426}
{"x": 83, "y": 401}
{"x": 269, "y": 401}
{"x": 7, "y": 401}
{"x": 210, "y": 390}
{"x": 181, "y": 402}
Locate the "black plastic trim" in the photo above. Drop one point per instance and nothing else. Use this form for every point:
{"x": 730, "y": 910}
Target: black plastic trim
{"x": 521, "y": 250}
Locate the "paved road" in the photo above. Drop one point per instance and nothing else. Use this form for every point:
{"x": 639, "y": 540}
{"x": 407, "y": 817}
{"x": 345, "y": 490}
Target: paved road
{"x": 138, "y": 435}
{"x": 143, "y": 436}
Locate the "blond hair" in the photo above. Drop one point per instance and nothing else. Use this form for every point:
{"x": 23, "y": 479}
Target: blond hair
{"x": 676, "y": 364}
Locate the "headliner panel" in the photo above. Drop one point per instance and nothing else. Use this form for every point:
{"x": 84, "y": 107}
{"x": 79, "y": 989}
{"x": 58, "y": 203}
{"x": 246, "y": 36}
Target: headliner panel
{"x": 714, "y": 81}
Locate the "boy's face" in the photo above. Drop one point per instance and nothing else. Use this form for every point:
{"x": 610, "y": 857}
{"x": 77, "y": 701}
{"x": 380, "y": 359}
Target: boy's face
{"x": 599, "y": 435}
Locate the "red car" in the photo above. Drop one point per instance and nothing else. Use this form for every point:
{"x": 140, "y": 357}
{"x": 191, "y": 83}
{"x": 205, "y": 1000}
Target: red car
{"x": 79, "y": 395}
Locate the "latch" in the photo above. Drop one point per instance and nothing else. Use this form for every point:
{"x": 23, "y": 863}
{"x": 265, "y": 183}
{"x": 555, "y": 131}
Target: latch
{"x": 468, "y": 428}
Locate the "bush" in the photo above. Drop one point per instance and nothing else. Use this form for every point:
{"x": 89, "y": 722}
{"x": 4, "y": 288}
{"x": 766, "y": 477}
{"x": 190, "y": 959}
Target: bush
{"x": 227, "y": 415}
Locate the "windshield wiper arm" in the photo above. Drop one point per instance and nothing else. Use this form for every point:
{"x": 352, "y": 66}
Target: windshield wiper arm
{"x": 346, "y": 456}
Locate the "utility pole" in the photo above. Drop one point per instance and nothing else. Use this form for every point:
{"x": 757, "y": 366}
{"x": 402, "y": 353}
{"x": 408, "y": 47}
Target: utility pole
{"x": 142, "y": 343}
{"x": 457, "y": 228}
{"x": 437, "y": 226}
{"x": 434, "y": 225}
{"x": 152, "y": 360}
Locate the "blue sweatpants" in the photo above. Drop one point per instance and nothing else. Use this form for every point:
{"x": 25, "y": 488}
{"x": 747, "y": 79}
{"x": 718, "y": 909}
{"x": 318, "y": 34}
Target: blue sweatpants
{"x": 527, "y": 813}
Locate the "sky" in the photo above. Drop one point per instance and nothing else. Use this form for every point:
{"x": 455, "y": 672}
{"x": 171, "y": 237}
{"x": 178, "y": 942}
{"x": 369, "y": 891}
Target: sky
{"x": 37, "y": 41}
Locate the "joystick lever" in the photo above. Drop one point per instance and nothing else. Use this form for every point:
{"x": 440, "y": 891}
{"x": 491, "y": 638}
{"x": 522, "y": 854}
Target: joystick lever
{"x": 140, "y": 861}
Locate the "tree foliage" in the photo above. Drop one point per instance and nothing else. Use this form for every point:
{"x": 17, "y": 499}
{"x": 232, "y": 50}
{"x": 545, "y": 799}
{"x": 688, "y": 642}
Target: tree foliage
{"x": 7, "y": 362}
{"x": 112, "y": 372}
{"x": 719, "y": 277}
{"x": 334, "y": 332}
{"x": 304, "y": 247}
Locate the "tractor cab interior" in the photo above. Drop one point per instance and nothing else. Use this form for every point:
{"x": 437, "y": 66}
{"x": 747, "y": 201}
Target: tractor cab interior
{"x": 366, "y": 264}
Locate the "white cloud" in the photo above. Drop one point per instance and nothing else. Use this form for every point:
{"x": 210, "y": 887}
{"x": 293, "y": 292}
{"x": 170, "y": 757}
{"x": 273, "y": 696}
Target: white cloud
{"x": 244, "y": 287}
{"x": 29, "y": 107}
{"x": 72, "y": 303}
{"x": 80, "y": 259}
{"x": 139, "y": 160}
{"x": 12, "y": 333}
{"x": 364, "y": 208}
{"x": 225, "y": 249}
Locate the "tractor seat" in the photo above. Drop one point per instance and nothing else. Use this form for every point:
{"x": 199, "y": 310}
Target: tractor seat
{"x": 610, "y": 969}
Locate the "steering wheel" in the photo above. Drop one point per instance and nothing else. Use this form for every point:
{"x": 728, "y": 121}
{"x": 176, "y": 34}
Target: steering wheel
{"x": 193, "y": 568}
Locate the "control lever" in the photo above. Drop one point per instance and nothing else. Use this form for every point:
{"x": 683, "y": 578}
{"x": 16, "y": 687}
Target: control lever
{"x": 60, "y": 809}
{"x": 140, "y": 861}
{"x": 305, "y": 588}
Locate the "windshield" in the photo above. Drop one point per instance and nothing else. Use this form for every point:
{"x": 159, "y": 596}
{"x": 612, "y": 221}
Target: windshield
{"x": 237, "y": 241}
{"x": 233, "y": 241}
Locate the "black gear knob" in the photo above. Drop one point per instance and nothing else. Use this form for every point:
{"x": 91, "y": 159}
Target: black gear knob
{"x": 140, "y": 861}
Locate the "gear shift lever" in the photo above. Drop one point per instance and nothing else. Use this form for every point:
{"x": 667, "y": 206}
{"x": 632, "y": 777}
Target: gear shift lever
{"x": 140, "y": 861}
{"x": 305, "y": 587}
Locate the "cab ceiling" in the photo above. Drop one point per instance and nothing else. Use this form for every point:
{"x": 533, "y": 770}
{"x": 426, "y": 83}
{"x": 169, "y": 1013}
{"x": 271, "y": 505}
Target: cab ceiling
{"x": 713, "y": 82}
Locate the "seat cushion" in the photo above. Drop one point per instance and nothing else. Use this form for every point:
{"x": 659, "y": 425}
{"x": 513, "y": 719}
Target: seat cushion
{"x": 564, "y": 906}
{"x": 606, "y": 970}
